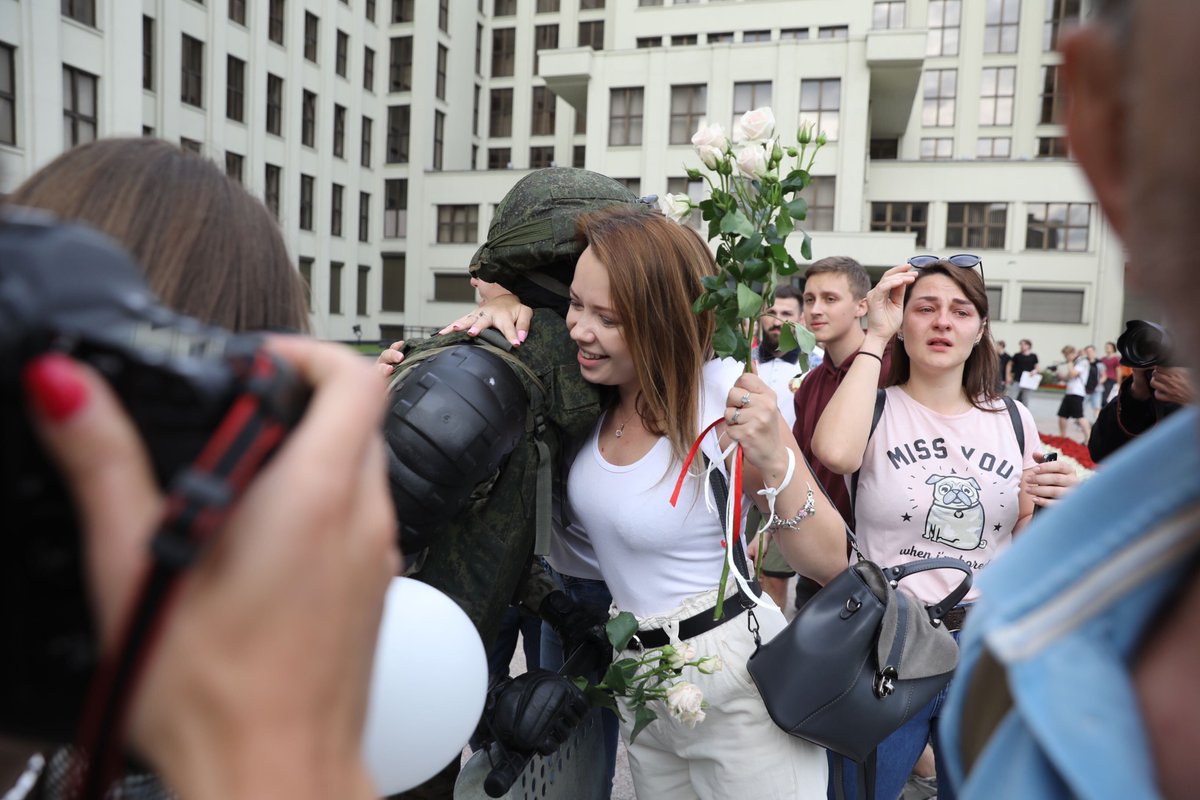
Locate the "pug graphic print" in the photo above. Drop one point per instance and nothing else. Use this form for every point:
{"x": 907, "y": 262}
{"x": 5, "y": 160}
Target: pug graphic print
{"x": 941, "y": 485}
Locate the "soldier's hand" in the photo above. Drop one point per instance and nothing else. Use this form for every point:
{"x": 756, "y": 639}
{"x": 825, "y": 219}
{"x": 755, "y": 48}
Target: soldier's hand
{"x": 534, "y": 712}
{"x": 578, "y": 628}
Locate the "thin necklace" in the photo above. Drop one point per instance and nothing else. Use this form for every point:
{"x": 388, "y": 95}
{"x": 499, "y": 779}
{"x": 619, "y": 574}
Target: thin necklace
{"x": 621, "y": 428}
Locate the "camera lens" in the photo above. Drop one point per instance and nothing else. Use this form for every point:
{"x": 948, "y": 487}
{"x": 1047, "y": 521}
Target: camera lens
{"x": 1144, "y": 344}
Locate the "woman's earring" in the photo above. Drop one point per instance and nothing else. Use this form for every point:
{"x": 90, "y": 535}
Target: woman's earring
{"x": 900, "y": 337}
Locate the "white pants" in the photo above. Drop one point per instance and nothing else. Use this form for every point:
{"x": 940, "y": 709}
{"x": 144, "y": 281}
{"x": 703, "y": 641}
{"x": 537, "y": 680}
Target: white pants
{"x": 737, "y": 751}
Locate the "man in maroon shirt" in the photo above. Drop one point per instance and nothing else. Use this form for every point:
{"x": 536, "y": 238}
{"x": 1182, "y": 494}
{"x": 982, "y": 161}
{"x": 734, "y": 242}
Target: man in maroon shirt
{"x": 835, "y": 292}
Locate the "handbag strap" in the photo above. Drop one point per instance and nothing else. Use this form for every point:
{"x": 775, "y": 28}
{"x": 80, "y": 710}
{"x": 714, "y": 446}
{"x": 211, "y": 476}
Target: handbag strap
{"x": 865, "y": 785}
{"x": 937, "y": 610}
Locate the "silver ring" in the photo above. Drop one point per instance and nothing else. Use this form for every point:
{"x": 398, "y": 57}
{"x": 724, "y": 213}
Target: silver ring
{"x": 737, "y": 412}
{"x": 745, "y": 401}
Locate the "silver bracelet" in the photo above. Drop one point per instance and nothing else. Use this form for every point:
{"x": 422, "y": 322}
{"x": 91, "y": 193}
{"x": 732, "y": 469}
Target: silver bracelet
{"x": 810, "y": 508}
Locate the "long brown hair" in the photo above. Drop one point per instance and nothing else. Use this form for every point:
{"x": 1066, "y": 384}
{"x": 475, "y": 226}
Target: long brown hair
{"x": 654, "y": 271}
{"x": 209, "y": 249}
{"x": 982, "y": 366}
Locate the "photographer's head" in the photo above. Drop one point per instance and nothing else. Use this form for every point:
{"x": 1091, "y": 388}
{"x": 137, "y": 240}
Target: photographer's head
{"x": 210, "y": 250}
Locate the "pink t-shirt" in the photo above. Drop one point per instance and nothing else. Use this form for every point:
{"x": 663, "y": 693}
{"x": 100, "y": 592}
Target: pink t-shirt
{"x": 933, "y": 486}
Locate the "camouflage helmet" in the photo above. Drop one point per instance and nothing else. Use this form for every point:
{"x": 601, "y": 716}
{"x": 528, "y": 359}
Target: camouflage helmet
{"x": 533, "y": 229}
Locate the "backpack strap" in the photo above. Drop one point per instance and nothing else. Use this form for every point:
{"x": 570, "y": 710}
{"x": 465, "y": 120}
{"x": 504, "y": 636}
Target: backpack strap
{"x": 880, "y": 402}
{"x": 1018, "y": 425}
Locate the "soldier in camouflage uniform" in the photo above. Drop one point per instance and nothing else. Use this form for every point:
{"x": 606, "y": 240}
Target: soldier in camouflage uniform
{"x": 480, "y": 507}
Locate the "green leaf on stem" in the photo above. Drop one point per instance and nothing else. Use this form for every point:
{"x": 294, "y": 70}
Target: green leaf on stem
{"x": 620, "y": 630}
{"x": 747, "y": 247}
{"x": 641, "y": 718}
{"x": 797, "y": 208}
{"x": 796, "y": 181}
{"x": 736, "y": 222}
{"x": 779, "y": 252}
{"x": 783, "y": 223}
{"x": 598, "y": 697}
{"x": 750, "y": 302}
{"x": 806, "y": 248}
{"x": 724, "y": 341}
{"x": 755, "y": 269}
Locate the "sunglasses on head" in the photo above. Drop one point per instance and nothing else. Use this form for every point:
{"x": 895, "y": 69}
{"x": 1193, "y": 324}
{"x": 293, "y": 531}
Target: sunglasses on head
{"x": 964, "y": 260}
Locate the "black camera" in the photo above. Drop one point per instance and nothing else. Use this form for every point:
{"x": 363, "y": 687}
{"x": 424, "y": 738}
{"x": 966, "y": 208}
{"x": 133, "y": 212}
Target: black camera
{"x": 1144, "y": 345}
{"x": 69, "y": 289}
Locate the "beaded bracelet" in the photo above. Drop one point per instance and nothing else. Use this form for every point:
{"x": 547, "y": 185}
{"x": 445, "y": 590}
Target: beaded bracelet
{"x": 810, "y": 508}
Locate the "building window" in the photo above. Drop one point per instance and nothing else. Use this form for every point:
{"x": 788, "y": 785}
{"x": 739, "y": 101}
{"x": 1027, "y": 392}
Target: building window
{"x": 901, "y": 218}
{"x": 440, "y": 84}
{"x": 749, "y": 96}
{"x": 993, "y": 147}
{"x": 1052, "y": 147}
{"x": 944, "y": 21}
{"x": 308, "y": 119}
{"x": 545, "y": 37}
{"x": 820, "y": 196}
{"x": 634, "y": 185}
{"x": 500, "y": 118}
{"x": 793, "y": 34}
{"x": 499, "y": 157}
{"x": 541, "y": 157}
{"x": 1052, "y": 305}
{"x": 80, "y": 10}
{"x": 439, "y": 138}
{"x": 578, "y": 156}
{"x": 368, "y": 69}
{"x": 1054, "y": 98}
{"x": 341, "y": 59}
{"x": 888, "y": 14}
{"x": 820, "y": 104}
{"x": 370, "y": 11}
{"x": 147, "y": 53}
{"x": 271, "y": 189}
{"x": 996, "y": 92}
{"x": 364, "y": 281}
{"x": 646, "y": 42}
{"x": 364, "y": 216}
{"x": 335, "y": 287}
{"x": 688, "y": 107}
{"x": 395, "y": 208}
{"x": 274, "y": 104}
{"x": 693, "y": 189}
{"x": 937, "y": 110}
{"x": 543, "y": 111}
{"x": 581, "y": 122}
{"x": 400, "y": 64}
{"x": 306, "y": 278}
{"x": 995, "y": 300}
{"x": 335, "y": 211}
{"x": 339, "y": 131}
{"x": 392, "y": 294}
{"x": 191, "y": 88}
{"x": 1000, "y": 26}
{"x": 504, "y": 48}
{"x": 547, "y": 6}
{"x": 190, "y": 146}
{"x": 976, "y": 225}
{"x": 590, "y": 5}
{"x": 684, "y": 40}
{"x": 237, "y": 11}
{"x": 625, "y": 117}
{"x": 233, "y": 165}
{"x": 444, "y": 15}
{"x": 756, "y": 36}
{"x": 591, "y": 34}
{"x": 397, "y": 139}
{"x": 1061, "y": 15}
{"x": 310, "y": 36}
{"x": 937, "y": 149}
{"x": 275, "y": 22}
{"x": 306, "y": 202}
{"x": 235, "y": 89}
{"x": 457, "y": 224}
{"x": 1057, "y": 226}
{"x": 364, "y": 146}
{"x": 79, "y": 107}
{"x": 833, "y": 32}
{"x": 453, "y": 287}
{"x": 884, "y": 149}
{"x": 649, "y": 3}
{"x": 402, "y": 10}
{"x": 504, "y": 8}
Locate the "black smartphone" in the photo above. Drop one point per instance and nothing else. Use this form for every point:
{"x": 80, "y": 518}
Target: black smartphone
{"x": 1046, "y": 459}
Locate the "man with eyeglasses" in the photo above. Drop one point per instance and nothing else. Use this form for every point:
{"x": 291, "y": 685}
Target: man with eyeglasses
{"x": 1077, "y": 673}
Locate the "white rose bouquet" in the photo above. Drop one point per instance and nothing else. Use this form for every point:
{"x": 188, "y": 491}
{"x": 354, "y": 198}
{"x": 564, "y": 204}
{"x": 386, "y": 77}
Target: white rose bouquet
{"x": 650, "y": 680}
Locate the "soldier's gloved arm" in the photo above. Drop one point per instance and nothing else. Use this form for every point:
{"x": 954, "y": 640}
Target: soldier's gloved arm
{"x": 586, "y": 648}
{"x": 534, "y": 587}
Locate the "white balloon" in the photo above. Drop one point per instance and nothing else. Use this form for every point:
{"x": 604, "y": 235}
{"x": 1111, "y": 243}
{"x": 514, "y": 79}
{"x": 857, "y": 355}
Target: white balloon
{"x": 427, "y": 687}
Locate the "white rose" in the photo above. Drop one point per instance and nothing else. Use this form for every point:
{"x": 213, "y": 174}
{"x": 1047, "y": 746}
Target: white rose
{"x": 675, "y": 207}
{"x": 680, "y": 656}
{"x": 752, "y": 160}
{"x": 685, "y": 701}
{"x": 710, "y": 664}
{"x": 756, "y": 125}
{"x": 710, "y": 143}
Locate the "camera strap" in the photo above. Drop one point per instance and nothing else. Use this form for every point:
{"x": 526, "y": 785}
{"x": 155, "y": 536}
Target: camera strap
{"x": 198, "y": 502}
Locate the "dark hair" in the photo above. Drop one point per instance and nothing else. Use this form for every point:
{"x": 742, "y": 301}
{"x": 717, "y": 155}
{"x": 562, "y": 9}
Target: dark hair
{"x": 209, "y": 249}
{"x": 654, "y": 272}
{"x": 979, "y": 372}
{"x": 856, "y": 276}
{"x": 786, "y": 291}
